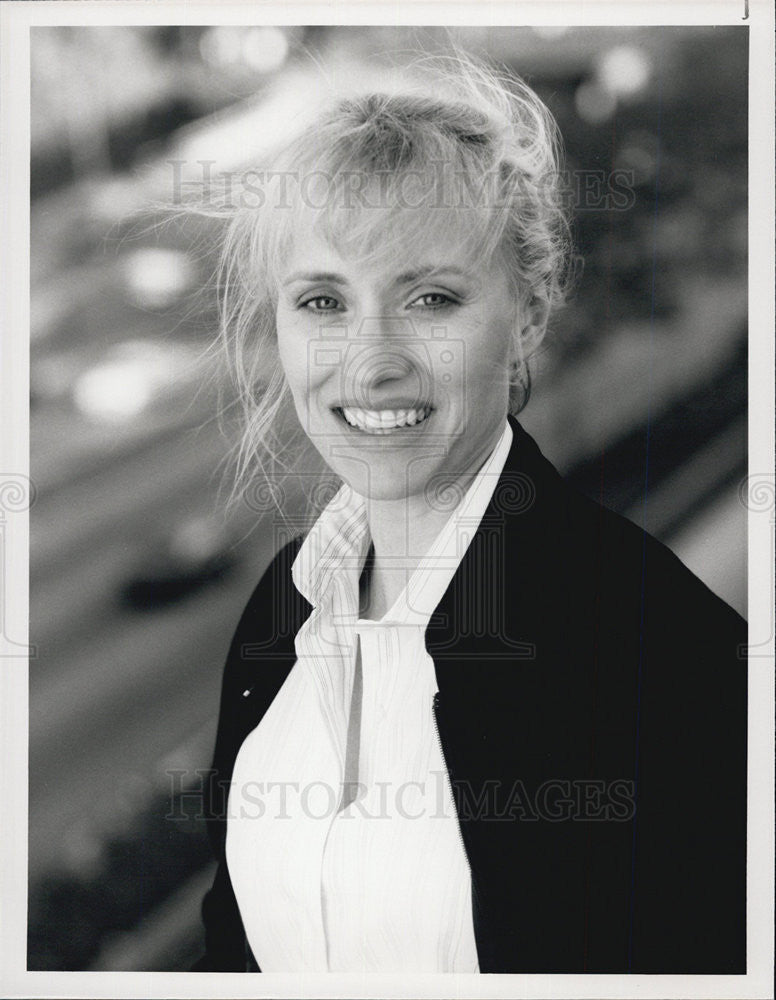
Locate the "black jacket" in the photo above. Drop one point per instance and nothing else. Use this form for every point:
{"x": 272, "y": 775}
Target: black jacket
{"x": 592, "y": 714}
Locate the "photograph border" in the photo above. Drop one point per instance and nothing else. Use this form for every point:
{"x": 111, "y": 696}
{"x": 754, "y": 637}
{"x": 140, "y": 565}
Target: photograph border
{"x": 758, "y": 493}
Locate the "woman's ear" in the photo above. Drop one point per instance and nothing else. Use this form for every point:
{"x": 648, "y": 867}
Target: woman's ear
{"x": 534, "y": 315}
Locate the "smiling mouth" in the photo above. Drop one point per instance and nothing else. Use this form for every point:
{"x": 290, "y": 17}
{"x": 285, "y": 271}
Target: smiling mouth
{"x": 383, "y": 421}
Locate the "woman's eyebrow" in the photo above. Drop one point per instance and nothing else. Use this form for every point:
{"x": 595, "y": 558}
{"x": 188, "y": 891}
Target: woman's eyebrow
{"x": 405, "y": 278}
{"x": 315, "y": 276}
{"x": 420, "y": 273}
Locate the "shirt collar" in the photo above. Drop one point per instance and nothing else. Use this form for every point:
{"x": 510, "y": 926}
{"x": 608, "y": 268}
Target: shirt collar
{"x": 339, "y": 541}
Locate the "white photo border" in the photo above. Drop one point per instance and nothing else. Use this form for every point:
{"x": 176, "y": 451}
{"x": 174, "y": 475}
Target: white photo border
{"x": 16, "y": 19}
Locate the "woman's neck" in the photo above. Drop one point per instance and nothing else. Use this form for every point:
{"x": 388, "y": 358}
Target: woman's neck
{"x": 403, "y": 532}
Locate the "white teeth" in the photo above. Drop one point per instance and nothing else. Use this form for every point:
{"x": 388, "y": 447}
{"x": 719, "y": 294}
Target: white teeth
{"x": 383, "y": 421}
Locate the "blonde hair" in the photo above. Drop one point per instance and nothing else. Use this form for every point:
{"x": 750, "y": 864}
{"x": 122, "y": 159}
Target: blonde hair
{"x": 468, "y": 139}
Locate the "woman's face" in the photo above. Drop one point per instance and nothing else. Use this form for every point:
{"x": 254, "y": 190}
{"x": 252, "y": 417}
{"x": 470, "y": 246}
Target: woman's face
{"x": 398, "y": 372}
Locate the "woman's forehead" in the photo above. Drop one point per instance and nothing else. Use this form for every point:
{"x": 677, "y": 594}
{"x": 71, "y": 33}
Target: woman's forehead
{"x": 313, "y": 246}
{"x": 390, "y": 243}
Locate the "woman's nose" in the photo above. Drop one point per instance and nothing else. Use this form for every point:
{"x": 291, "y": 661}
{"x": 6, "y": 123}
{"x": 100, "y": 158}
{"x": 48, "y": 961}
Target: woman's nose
{"x": 385, "y": 366}
{"x": 385, "y": 350}
{"x": 385, "y": 346}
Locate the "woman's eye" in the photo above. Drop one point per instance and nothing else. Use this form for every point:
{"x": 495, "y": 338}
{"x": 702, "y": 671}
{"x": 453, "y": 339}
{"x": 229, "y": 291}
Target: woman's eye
{"x": 321, "y": 303}
{"x": 432, "y": 300}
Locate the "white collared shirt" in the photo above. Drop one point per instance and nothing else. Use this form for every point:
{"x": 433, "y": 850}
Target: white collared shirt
{"x": 382, "y": 885}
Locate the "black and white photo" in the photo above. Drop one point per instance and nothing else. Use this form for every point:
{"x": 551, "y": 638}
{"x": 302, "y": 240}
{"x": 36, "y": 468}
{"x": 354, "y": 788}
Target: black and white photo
{"x": 399, "y": 510}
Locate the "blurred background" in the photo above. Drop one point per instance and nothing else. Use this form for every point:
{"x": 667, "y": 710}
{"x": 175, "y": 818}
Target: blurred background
{"x": 138, "y": 578}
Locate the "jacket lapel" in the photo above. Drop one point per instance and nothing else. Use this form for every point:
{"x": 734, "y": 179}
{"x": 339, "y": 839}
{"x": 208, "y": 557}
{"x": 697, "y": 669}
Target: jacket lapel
{"x": 483, "y": 634}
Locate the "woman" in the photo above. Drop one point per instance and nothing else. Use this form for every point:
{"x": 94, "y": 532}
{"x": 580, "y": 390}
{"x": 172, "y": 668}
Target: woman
{"x": 471, "y": 721}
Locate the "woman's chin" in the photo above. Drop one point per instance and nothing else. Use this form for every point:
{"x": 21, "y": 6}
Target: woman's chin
{"x": 382, "y": 479}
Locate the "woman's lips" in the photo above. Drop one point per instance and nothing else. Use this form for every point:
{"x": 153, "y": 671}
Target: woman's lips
{"x": 383, "y": 421}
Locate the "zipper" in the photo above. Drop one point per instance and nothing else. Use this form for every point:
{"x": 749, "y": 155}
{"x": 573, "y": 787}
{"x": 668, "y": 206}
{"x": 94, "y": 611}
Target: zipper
{"x": 475, "y": 895}
{"x": 450, "y": 786}
{"x": 246, "y": 952}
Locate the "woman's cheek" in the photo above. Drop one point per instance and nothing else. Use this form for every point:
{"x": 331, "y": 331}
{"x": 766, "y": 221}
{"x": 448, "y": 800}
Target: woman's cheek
{"x": 485, "y": 355}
